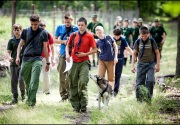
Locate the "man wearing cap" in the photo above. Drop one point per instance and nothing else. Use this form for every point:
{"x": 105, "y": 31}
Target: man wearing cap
{"x": 119, "y": 24}
{"x": 135, "y": 30}
{"x": 140, "y": 22}
{"x": 158, "y": 34}
{"x": 127, "y": 33}
{"x": 91, "y": 27}
{"x": 50, "y": 46}
{"x": 62, "y": 34}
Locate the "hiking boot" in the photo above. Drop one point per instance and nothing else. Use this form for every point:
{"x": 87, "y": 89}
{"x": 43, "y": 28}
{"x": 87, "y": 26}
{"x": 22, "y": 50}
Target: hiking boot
{"x": 14, "y": 101}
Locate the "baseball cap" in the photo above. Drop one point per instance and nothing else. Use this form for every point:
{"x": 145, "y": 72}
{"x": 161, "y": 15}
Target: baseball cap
{"x": 125, "y": 19}
{"x": 94, "y": 16}
{"x": 140, "y": 20}
{"x": 156, "y": 20}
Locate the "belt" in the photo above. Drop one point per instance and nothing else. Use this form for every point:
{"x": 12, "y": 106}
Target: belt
{"x": 31, "y": 55}
{"x": 63, "y": 56}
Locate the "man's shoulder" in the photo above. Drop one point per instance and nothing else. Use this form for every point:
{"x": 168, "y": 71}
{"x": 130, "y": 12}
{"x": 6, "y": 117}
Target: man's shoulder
{"x": 61, "y": 26}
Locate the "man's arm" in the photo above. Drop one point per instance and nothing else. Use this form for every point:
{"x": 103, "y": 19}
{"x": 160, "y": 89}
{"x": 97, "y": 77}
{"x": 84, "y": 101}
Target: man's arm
{"x": 157, "y": 67}
{"x": 81, "y": 54}
{"x": 9, "y": 56}
{"x": 59, "y": 41}
{"x": 19, "y": 51}
{"x": 46, "y": 55}
{"x": 129, "y": 50}
{"x": 134, "y": 56}
{"x": 115, "y": 52}
{"x": 67, "y": 54}
{"x": 52, "y": 52}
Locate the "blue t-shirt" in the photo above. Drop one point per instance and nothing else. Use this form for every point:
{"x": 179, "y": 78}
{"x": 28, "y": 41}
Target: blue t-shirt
{"x": 60, "y": 32}
{"x": 106, "y": 49}
{"x": 121, "y": 44}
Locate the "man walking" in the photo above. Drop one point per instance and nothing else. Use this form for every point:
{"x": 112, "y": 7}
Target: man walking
{"x": 34, "y": 40}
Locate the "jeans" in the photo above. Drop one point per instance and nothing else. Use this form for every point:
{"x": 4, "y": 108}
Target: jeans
{"x": 145, "y": 77}
{"x": 118, "y": 72}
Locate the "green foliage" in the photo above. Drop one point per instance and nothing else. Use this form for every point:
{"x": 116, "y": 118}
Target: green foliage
{"x": 172, "y": 8}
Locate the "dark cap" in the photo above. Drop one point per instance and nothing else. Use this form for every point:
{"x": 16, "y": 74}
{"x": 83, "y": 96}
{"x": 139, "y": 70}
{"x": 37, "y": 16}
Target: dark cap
{"x": 156, "y": 20}
{"x": 94, "y": 16}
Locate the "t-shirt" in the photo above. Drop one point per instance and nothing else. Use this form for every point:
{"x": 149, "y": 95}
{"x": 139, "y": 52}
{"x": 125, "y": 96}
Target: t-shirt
{"x": 61, "y": 32}
{"x": 13, "y": 45}
{"x": 106, "y": 49}
{"x": 135, "y": 34}
{"x": 149, "y": 54}
{"x": 126, "y": 32}
{"x": 92, "y": 26}
{"x": 121, "y": 44}
{"x": 156, "y": 33}
{"x": 87, "y": 42}
{"x": 50, "y": 41}
{"x": 34, "y": 49}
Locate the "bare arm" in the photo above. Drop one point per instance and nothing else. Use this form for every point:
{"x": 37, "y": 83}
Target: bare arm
{"x": 67, "y": 54}
{"x": 52, "y": 52}
{"x": 129, "y": 50}
{"x": 164, "y": 37}
{"x": 81, "y": 54}
{"x": 157, "y": 67}
{"x": 131, "y": 40}
{"x": 9, "y": 56}
{"x": 46, "y": 54}
{"x": 115, "y": 52}
{"x": 59, "y": 41}
{"x": 134, "y": 56}
{"x": 19, "y": 51}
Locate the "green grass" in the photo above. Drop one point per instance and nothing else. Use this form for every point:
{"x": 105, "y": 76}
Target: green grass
{"x": 124, "y": 109}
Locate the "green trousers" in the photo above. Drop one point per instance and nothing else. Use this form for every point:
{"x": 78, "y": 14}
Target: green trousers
{"x": 63, "y": 86}
{"x": 78, "y": 79}
{"x": 30, "y": 73}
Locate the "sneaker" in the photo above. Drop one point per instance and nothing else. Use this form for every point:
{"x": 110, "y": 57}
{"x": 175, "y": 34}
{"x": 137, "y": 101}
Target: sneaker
{"x": 13, "y": 102}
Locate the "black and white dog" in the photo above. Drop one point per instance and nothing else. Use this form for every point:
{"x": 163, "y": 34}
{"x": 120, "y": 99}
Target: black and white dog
{"x": 104, "y": 88}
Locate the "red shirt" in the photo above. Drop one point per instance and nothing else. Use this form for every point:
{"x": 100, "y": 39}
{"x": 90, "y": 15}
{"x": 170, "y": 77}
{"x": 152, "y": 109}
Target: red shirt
{"x": 87, "y": 42}
{"x": 50, "y": 41}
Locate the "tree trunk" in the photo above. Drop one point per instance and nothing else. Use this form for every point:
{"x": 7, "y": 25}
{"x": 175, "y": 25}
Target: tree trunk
{"x": 13, "y": 14}
{"x": 178, "y": 50}
{"x": 137, "y": 8}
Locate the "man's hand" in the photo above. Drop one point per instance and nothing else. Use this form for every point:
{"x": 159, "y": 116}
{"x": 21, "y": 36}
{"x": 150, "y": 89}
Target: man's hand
{"x": 81, "y": 54}
{"x": 157, "y": 68}
{"x": 115, "y": 61}
{"x": 11, "y": 59}
{"x": 47, "y": 68}
{"x": 133, "y": 70}
{"x": 17, "y": 61}
{"x": 68, "y": 59}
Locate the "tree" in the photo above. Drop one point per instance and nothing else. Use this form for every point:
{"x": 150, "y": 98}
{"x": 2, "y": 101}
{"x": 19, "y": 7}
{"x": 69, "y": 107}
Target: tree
{"x": 174, "y": 10}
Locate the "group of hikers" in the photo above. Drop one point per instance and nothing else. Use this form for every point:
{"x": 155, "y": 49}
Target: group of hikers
{"x": 31, "y": 53}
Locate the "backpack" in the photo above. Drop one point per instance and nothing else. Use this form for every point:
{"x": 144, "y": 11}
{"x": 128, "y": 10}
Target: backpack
{"x": 151, "y": 46}
{"x": 111, "y": 41}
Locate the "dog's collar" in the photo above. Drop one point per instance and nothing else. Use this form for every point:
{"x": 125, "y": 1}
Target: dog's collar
{"x": 104, "y": 91}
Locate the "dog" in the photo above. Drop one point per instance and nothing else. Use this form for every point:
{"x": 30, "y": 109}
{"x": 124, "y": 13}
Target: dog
{"x": 104, "y": 88}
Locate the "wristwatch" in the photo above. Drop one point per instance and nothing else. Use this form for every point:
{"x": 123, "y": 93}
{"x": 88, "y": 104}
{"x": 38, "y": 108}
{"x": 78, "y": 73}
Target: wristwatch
{"x": 48, "y": 63}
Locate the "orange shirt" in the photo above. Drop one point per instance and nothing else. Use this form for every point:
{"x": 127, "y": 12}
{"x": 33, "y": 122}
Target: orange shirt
{"x": 87, "y": 42}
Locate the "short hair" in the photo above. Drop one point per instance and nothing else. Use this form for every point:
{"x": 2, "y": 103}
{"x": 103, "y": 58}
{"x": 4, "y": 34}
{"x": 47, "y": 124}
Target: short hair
{"x": 17, "y": 26}
{"x": 34, "y": 17}
{"x": 67, "y": 16}
{"x": 82, "y": 19}
{"x": 42, "y": 23}
{"x": 143, "y": 30}
{"x": 99, "y": 28}
{"x": 117, "y": 32}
